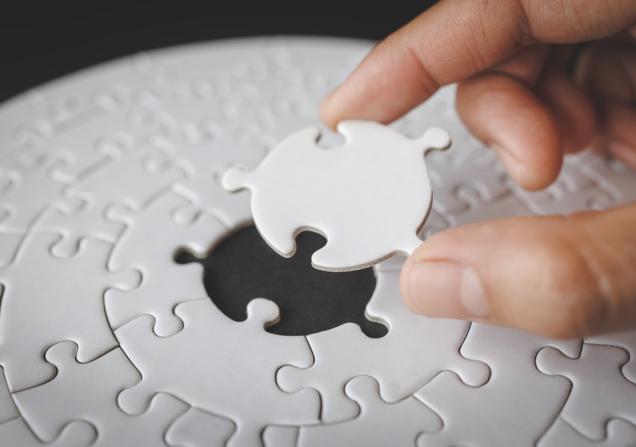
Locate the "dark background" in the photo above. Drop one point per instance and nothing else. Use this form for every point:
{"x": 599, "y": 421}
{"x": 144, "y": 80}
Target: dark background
{"x": 42, "y": 40}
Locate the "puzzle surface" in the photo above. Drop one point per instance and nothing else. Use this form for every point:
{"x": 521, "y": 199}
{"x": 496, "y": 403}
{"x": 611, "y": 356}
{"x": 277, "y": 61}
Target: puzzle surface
{"x": 106, "y": 340}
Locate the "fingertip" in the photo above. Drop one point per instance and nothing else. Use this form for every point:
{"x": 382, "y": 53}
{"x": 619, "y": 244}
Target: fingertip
{"x": 328, "y": 115}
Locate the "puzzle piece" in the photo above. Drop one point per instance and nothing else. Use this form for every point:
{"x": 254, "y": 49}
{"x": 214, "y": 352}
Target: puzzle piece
{"x": 599, "y": 391}
{"x": 149, "y": 244}
{"x": 198, "y": 428}
{"x": 625, "y": 340}
{"x": 76, "y": 434}
{"x": 102, "y": 141}
{"x": 24, "y": 199}
{"x": 498, "y": 413}
{"x": 221, "y": 366}
{"x": 414, "y": 350}
{"x": 203, "y": 163}
{"x": 408, "y": 418}
{"x": 347, "y": 193}
{"x": 67, "y": 309}
{"x": 88, "y": 392}
{"x": 138, "y": 181}
{"x": 619, "y": 434}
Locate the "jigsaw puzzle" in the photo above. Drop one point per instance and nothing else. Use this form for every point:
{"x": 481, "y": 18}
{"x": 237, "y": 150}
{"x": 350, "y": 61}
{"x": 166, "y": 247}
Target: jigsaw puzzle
{"x": 105, "y": 340}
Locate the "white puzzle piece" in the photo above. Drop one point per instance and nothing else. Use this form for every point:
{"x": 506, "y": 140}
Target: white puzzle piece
{"x": 209, "y": 346}
{"x": 499, "y": 412}
{"x": 198, "y": 428}
{"x": 594, "y": 398}
{"x": 414, "y": 351}
{"x": 369, "y": 197}
{"x": 402, "y": 421}
{"x": 68, "y": 309}
{"x": 149, "y": 244}
{"x": 88, "y": 392}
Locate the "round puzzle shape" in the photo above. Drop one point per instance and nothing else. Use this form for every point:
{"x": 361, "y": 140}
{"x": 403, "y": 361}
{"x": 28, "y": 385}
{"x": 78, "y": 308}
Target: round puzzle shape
{"x": 369, "y": 197}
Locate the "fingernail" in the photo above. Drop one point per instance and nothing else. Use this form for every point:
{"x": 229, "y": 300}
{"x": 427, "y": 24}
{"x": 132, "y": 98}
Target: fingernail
{"x": 446, "y": 289}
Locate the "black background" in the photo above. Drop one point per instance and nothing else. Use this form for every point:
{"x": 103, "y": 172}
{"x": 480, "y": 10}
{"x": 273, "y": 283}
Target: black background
{"x": 42, "y": 40}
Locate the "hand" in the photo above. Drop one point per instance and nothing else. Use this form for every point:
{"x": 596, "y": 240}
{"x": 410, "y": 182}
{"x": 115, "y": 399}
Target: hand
{"x": 532, "y": 94}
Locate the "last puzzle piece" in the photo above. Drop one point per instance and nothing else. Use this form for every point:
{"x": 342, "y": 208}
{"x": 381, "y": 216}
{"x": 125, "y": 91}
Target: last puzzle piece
{"x": 369, "y": 197}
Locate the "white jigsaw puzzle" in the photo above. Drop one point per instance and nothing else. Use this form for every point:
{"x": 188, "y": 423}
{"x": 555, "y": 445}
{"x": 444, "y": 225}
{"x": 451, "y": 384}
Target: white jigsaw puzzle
{"x": 105, "y": 340}
{"x": 205, "y": 350}
{"x": 369, "y": 197}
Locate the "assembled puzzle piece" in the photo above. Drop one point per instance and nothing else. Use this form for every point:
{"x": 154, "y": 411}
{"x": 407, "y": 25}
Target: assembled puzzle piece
{"x": 149, "y": 244}
{"x": 220, "y": 366}
{"x": 498, "y": 413}
{"x": 67, "y": 309}
{"x": 414, "y": 350}
{"x": 408, "y": 418}
{"x": 599, "y": 390}
{"x": 88, "y": 392}
{"x": 369, "y": 197}
{"x": 137, "y": 182}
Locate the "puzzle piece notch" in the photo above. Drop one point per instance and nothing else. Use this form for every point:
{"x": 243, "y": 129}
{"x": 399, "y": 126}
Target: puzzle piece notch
{"x": 75, "y": 386}
{"x": 149, "y": 244}
{"x": 499, "y": 412}
{"x": 68, "y": 310}
{"x": 301, "y": 186}
{"x": 409, "y": 417}
{"x": 590, "y": 404}
{"x": 414, "y": 350}
{"x": 209, "y": 345}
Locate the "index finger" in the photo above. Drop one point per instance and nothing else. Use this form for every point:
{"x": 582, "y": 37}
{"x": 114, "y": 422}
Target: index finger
{"x": 458, "y": 38}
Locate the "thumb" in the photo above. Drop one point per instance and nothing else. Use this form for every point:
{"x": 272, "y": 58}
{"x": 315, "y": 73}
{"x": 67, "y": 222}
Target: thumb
{"x": 556, "y": 276}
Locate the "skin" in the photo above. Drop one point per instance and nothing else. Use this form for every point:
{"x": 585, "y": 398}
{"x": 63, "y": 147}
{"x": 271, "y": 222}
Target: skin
{"x": 536, "y": 79}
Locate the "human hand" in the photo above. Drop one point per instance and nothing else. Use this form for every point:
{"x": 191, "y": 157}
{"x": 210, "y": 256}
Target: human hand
{"x": 523, "y": 94}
